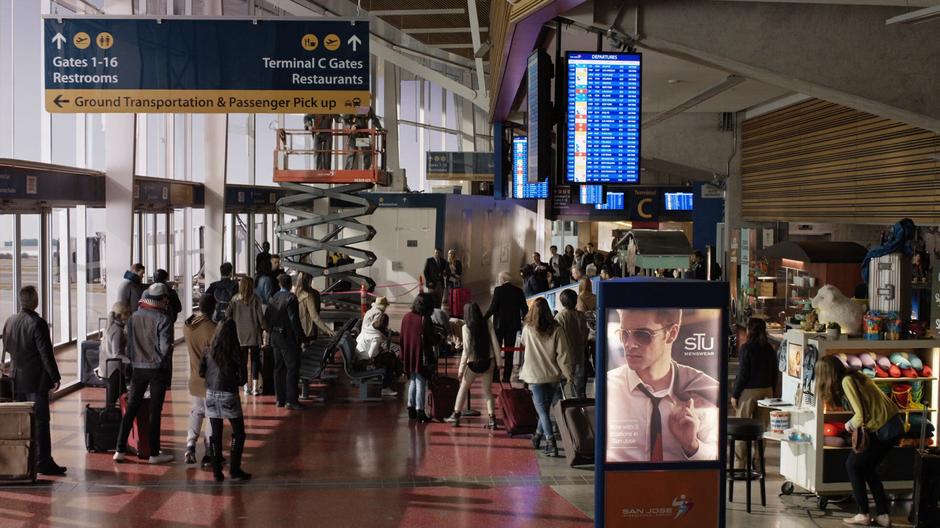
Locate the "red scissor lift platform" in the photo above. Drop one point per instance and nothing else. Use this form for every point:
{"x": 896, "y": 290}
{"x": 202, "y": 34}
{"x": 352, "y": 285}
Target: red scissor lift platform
{"x": 356, "y": 148}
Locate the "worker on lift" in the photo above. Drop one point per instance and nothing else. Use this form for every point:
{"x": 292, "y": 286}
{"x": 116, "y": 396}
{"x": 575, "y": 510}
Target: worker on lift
{"x": 321, "y": 126}
{"x": 360, "y": 124}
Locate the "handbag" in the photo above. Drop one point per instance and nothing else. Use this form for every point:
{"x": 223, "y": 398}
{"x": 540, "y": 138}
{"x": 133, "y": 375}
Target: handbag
{"x": 860, "y": 440}
{"x": 480, "y": 366}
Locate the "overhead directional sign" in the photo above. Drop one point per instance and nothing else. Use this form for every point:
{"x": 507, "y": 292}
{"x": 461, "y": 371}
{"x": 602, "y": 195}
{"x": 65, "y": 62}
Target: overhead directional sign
{"x": 185, "y": 65}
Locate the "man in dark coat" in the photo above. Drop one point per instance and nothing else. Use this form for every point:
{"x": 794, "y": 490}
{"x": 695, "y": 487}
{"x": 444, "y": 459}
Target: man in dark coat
{"x": 507, "y": 309}
{"x": 283, "y": 319}
{"x": 435, "y": 276}
{"x": 35, "y": 372}
{"x": 264, "y": 255}
{"x": 132, "y": 287}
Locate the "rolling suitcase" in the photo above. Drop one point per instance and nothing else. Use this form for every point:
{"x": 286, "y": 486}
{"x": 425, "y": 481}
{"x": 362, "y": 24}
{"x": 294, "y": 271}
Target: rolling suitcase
{"x": 17, "y": 442}
{"x": 519, "y": 416}
{"x": 267, "y": 370}
{"x": 889, "y": 284}
{"x": 442, "y": 395}
{"x": 458, "y": 297}
{"x": 102, "y": 424}
{"x": 575, "y": 419}
{"x": 6, "y": 382}
{"x": 138, "y": 441}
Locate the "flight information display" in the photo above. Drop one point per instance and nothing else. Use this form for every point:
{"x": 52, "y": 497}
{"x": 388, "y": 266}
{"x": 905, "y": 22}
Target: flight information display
{"x": 603, "y": 117}
{"x": 678, "y": 201}
{"x": 521, "y": 188}
{"x": 591, "y": 194}
{"x": 615, "y": 202}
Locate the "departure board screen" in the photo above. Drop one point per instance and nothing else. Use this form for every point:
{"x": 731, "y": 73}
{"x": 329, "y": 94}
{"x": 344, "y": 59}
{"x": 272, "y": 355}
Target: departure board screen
{"x": 591, "y": 194}
{"x": 603, "y": 117}
{"x": 521, "y": 188}
{"x": 615, "y": 202}
{"x": 678, "y": 201}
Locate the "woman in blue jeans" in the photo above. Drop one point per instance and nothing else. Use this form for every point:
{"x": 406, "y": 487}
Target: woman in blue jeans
{"x": 546, "y": 365}
{"x": 417, "y": 353}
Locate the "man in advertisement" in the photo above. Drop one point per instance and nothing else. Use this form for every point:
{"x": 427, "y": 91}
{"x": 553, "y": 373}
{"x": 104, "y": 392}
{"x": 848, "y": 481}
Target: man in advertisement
{"x": 658, "y": 409}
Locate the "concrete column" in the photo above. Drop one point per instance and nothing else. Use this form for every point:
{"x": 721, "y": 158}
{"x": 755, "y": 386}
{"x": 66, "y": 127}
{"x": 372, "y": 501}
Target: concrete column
{"x": 215, "y": 155}
{"x": 390, "y": 97}
{"x": 119, "y": 136}
{"x": 186, "y": 290}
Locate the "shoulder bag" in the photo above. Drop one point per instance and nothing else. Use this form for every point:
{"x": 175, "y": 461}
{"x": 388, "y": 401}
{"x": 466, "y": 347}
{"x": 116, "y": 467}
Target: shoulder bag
{"x": 860, "y": 440}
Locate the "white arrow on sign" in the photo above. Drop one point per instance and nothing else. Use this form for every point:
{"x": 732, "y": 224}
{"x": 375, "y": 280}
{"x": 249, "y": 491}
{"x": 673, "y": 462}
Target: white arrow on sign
{"x": 354, "y": 42}
{"x": 58, "y": 40}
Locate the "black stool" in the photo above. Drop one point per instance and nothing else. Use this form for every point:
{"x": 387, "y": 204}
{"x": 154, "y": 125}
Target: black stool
{"x": 749, "y": 431}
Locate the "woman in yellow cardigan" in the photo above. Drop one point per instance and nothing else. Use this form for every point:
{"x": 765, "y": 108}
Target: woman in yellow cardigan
{"x": 871, "y": 408}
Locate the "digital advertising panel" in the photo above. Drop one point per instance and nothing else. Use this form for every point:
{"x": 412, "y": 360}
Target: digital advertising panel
{"x": 603, "y": 117}
{"x": 521, "y": 188}
{"x": 661, "y": 403}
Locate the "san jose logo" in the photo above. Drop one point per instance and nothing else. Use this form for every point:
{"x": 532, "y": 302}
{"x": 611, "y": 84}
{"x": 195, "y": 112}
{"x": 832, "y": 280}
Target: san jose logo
{"x": 681, "y": 506}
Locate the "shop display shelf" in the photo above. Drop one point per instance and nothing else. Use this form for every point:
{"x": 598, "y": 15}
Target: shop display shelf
{"x": 779, "y": 437}
{"x": 849, "y": 413}
{"x": 767, "y": 278}
{"x": 763, "y": 298}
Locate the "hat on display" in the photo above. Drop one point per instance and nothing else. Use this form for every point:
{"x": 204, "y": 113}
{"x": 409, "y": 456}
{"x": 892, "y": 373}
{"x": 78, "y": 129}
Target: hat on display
{"x": 927, "y": 372}
{"x": 909, "y": 373}
{"x": 900, "y": 361}
{"x": 855, "y": 363}
{"x": 894, "y": 371}
{"x": 915, "y": 361}
{"x": 868, "y": 372}
{"x": 156, "y": 290}
{"x": 880, "y": 372}
{"x": 868, "y": 360}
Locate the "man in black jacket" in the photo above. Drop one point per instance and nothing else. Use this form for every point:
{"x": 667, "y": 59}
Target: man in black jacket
{"x": 223, "y": 290}
{"x": 283, "y": 319}
{"x": 35, "y": 372}
{"x": 435, "y": 275}
{"x": 507, "y": 309}
{"x": 132, "y": 287}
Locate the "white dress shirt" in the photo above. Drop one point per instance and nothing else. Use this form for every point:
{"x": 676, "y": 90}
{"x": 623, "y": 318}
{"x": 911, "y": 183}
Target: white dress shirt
{"x": 629, "y": 411}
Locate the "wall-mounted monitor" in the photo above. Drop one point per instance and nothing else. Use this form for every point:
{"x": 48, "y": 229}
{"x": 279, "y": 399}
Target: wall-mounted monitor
{"x": 614, "y": 202}
{"x": 591, "y": 194}
{"x": 678, "y": 201}
{"x": 603, "y": 117}
{"x": 521, "y": 188}
{"x": 539, "y": 115}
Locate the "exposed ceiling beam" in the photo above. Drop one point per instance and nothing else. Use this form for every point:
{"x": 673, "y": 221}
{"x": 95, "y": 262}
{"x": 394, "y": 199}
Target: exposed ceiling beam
{"x": 916, "y": 17}
{"x": 416, "y": 12}
{"x": 475, "y": 40}
{"x": 730, "y": 82}
{"x": 412, "y": 31}
{"x": 464, "y": 45}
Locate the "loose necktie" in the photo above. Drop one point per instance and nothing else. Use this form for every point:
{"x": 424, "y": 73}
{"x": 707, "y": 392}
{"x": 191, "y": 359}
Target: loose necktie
{"x": 656, "y": 427}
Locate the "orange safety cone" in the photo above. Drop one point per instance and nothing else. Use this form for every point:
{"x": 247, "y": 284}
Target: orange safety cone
{"x": 363, "y": 300}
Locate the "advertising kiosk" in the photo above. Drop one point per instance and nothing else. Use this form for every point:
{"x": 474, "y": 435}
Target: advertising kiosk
{"x": 661, "y": 406}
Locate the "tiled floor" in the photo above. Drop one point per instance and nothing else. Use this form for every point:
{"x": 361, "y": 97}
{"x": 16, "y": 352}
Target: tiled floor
{"x": 337, "y": 465}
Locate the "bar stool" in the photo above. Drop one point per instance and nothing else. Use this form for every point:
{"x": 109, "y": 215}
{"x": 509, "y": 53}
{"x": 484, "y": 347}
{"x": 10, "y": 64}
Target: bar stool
{"x": 749, "y": 431}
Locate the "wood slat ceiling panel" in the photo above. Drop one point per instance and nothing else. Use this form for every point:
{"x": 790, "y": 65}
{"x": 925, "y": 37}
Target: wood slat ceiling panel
{"x": 817, "y": 161}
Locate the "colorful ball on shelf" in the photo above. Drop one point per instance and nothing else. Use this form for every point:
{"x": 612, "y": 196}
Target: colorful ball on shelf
{"x": 833, "y": 429}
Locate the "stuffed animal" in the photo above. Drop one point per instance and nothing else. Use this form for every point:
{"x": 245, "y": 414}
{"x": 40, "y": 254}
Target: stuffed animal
{"x": 834, "y": 307}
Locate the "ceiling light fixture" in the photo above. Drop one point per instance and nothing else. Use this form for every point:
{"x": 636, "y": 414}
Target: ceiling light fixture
{"x": 674, "y": 81}
{"x": 916, "y": 17}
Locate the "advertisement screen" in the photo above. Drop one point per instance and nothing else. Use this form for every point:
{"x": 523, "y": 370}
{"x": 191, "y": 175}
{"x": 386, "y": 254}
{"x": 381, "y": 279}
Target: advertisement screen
{"x": 603, "y": 117}
{"x": 520, "y": 186}
{"x": 662, "y": 389}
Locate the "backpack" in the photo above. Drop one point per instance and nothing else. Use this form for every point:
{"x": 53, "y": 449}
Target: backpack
{"x": 223, "y": 296}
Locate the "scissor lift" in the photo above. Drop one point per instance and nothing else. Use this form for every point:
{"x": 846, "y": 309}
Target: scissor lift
{"x": 341, "y": 188}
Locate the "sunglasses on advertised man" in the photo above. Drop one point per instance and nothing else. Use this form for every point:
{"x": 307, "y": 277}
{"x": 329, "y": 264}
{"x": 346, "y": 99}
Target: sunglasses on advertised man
{"x": 641, "y": 336}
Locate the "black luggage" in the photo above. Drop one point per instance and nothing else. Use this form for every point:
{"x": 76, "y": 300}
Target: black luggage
{"x": 90, "y": 353}
{"x": 6, "y": 382}
{"x": 575, "y": 419}
{"x": 103, "y": 423}
{"x": 267, "y": 370}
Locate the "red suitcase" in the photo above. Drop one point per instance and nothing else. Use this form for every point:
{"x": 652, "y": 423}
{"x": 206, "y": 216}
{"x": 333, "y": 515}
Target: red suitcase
{"x": 519, "y": 416}
{"x": 139, "y": 440}
{"x": 458, "y": 298}
{"x": 442, "y": 395}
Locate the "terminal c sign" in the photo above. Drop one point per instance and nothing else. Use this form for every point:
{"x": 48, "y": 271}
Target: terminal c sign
{"x": 184, "y": 65}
